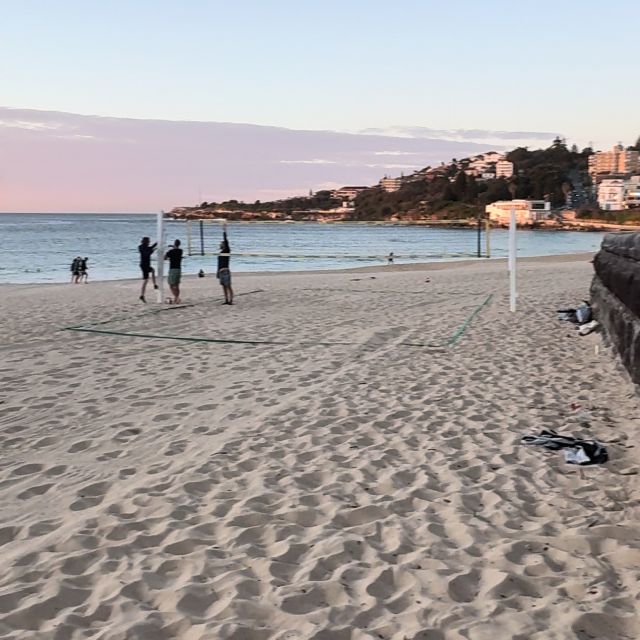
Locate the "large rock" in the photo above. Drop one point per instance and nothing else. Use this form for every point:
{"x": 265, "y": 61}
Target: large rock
{"x": 615, "y": 295}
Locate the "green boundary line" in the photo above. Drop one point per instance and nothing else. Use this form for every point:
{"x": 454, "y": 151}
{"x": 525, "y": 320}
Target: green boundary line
{"x": 161, "y": 337}
{"x": 132, "y": 334}
{"x": 447, "y": 343}
{"x": 465, "y": 325}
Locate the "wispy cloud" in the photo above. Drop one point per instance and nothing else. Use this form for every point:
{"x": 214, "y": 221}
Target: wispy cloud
{"x": 77, "y": 136}
{"x": 471, "y": 135}
{"x": 147, "y": 165}
{"x": 381, "y": 165}
{"x": 29, "y": 125}
{"x": 314, "y": 161}
{"x": 395, "y": 153}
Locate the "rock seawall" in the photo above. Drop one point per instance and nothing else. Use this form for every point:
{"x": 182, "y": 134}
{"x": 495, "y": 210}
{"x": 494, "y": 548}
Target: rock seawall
{"x": 615, "y": 295}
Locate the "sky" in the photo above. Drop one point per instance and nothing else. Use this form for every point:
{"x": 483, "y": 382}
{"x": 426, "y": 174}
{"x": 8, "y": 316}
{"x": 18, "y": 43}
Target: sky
{"x": 464, "y": 68}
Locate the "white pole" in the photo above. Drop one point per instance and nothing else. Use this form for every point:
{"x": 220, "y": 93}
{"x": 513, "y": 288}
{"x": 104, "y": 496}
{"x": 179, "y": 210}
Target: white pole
{"x": 160, "y": 257}
{"x": 513, "y": 294}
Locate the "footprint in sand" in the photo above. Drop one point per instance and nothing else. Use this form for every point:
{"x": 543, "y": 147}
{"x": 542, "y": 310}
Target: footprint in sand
{"x": 34, "y": 491}
{"x": 175, "y": 448}
{"x": 81, "y": 445}
{"x": 126, "y": 434}
{"x": 42, "y": 528}
{"x": 8, "y": 534}
{"x": 27, "y": 469}
{"x": 90, "y": 496}
{"x": 45, "y": 442}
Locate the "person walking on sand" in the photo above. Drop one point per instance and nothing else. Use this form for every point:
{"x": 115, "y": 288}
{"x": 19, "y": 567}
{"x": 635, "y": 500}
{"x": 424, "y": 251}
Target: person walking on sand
{"x": 84, "y": 270}
{"x": 223, "y": 273}
{"x": 146, "y": 251}
{"x": 75, "y": 270}
{"x": 174, "y": 256}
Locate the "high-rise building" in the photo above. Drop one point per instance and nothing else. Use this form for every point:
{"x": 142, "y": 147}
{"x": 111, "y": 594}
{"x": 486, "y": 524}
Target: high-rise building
{"x": 391, "y": 184}
{"x": 617, "y": 161}
{"x": 504, "y": 169}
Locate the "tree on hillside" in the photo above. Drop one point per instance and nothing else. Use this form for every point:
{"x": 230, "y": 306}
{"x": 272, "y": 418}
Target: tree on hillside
{"x": 471, "y": 194}
{"x": 520, "y": 154}
{"x": 636, "y": 146}
{"x": 496, "y": 190}
{"x": 460, "y": 186}
{"x": 449, "y": 194}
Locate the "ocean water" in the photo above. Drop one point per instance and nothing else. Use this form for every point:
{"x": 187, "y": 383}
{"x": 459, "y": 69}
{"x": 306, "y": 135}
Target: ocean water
{"x": 40, "y": 247}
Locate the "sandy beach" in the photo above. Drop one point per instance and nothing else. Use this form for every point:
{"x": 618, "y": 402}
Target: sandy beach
{"x": 335, "y": 457}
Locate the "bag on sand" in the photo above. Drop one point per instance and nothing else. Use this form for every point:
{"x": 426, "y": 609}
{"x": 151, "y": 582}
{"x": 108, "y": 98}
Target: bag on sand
{"x": 583, "y": 313}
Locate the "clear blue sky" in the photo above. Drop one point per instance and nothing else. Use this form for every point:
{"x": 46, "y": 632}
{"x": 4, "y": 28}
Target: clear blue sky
{"x": 565, "y": 65}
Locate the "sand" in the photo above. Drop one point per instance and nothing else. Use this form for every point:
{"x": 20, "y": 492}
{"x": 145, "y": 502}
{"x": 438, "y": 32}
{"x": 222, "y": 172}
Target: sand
{"x": 355, "y": 473}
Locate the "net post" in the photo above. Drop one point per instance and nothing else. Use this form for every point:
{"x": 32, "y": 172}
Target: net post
{"x": 201, "y": 238}
{"x": 512, "y": 262}
{"x": 479, "y": 227}
{"x": 487, "y": 237}
{"x": 160, "y": 257}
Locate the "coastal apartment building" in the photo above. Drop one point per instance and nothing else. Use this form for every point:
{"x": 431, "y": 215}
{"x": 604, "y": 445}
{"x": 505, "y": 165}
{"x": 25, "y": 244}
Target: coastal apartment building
{"x": 390, "y": 184}
{"x": 484, "y": 166}
{"x": 632, "y": 194}
{"x": 527, "y": 211}
{"x": 504, "y": 169}
{"x": 618, "y": 194}
{"x": 617, "y": 161}
{"x": 347, "y": 193}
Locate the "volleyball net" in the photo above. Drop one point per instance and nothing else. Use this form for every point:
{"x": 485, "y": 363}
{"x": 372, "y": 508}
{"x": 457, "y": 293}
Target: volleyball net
{"x": 443, "y": 240}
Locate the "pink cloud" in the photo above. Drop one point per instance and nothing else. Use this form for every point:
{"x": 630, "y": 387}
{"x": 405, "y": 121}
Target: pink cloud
{"x": 52, "y": 161}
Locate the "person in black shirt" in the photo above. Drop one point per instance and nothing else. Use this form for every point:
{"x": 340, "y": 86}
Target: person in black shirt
{"x": 75, "y": 270}
{"x": 146, "y": 250}
{"x": 84, "y": 270}
{"x": 224, "y": 274}
{"x": 174, "y": 256}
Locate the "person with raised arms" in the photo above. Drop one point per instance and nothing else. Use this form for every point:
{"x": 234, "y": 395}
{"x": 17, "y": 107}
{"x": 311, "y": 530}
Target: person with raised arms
{"x": 146, "y": 250}
{"x": 223, "y": 273}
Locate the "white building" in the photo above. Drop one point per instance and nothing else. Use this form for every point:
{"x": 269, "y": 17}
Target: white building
{"x": 504, "y": 169}
{"x": 483, "y": 166}
{"x": 347, "y": 193}
{"x": 527, "y": 211}
{"x": 391, "y": 184}
{"x": 632, "y": 193}
{"x": 493, "y": 156}
{"x": 611, "y": 195}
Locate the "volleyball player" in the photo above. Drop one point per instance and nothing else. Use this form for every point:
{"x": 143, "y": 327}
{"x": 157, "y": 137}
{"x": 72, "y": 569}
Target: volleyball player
{"x": 174, "y": 256}
{"x": 146, "y": 250}
{"x": 224, "y": 274}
